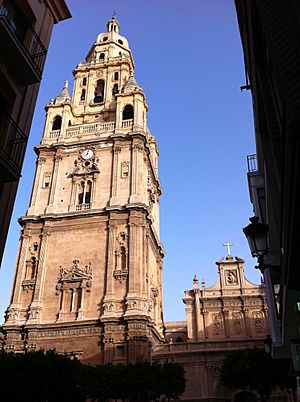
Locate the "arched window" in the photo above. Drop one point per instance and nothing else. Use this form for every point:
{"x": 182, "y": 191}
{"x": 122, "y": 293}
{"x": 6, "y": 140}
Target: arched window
{"x": 56, "y": 125}
{"x": 84, "y": 192}
{"x": 115, "y": 89}
{"x": 84, "y": 81}
{"x": 99, "y": 91}
{"x": 82, "y": 96}
{"x": 116, "y": 75}
{"x": 102, "y": 56}
{"x": 127, "y": 112}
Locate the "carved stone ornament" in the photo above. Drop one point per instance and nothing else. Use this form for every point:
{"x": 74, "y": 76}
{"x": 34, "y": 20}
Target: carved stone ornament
{"x": 85, "y": 166}
{"x": 217, "y": 324}
{"x": 11, "y": 314}
{"x": 28, "y": 284}
{"x": 154, "y": 291}
{"x": 83, "y": 275}
{"x": 121, "y": 257}
{"x": 231, "y": 277}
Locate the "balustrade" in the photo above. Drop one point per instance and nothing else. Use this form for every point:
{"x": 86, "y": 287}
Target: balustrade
{"x": 127, "y": 123}
{"x": 86, "y": 129}
{"x": 54, "y": 133}
{"x": 83, "y": 207}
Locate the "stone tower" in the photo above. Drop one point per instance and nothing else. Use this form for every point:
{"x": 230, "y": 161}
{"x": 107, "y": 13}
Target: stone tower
{"x": 88, "y": 277}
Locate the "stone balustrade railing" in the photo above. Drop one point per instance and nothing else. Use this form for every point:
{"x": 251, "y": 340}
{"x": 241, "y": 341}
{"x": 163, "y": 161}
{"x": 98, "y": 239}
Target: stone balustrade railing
{"x": 208, "y": 346}
{"x": 90, "y": 128}
{"x": 54, "y": 133}
{"x": 83, "y": 207}
{"x": 127, "y": 123}
{"x": 86, "y": 129}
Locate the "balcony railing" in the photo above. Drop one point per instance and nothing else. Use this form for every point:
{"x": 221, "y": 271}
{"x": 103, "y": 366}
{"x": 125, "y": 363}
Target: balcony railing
{"x": 54, "y": 133}
{"x": 127, "y": 123}
{"x": 83, "y": 207}
{"x": 12, "y": 147}
{"x": 94, "y": 128}
{"x": 22, "y": 30}
{"x": 252, "y": 163}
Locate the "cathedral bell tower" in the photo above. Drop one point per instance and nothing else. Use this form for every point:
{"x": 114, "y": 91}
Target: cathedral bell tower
{"x": 88, "y": 277}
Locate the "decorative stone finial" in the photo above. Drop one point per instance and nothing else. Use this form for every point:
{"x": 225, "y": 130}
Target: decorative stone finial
{"x": 203, "y": 284}
{"x": 131, "y": 84}
{"x": 195, "y": 282}
{"x": 64, "y": 95}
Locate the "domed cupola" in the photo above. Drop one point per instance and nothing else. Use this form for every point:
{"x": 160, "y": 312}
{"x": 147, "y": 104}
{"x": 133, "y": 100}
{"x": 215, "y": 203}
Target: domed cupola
{"x": 113, "y": 25}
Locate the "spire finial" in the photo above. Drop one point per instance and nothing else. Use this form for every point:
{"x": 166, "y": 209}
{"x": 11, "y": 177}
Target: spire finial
{"x": 228, "y": 247}
{"x": 195, "y": 282}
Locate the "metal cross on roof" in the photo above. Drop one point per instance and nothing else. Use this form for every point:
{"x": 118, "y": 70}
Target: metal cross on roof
{"x": 228, "y": 247}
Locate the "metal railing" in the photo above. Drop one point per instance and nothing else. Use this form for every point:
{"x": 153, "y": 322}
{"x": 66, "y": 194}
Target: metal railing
{"x": 252, "y": 163}
{"x": 12, "y": 142}
{"x": 24, "y": 32}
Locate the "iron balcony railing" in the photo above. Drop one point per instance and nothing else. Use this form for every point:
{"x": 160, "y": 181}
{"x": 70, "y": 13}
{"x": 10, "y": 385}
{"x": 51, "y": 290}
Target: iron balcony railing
{"x": 252, "y": 163}
{"x": 24, "y": 33}
{"x": 12, "y": 144}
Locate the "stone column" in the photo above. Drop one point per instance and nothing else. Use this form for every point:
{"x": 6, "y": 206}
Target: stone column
{"x": 35, "y": 306}
{"x": 205, "y": 331}
{"x": 51, "y": 206}
{"x": 115, "y": 176}
{"x": 14, "y": 307}
{"x": 132, "y": 256}
{"x": 37, "y": 185}
{"x": 198, "y": 314}
{"x": 226, "y": 323}
{"x": 109, "y": 292}
{"x": 247, "y": 322}
{"x": 136, "y": 166}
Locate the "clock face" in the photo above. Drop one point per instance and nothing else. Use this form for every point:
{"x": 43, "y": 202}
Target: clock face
{"x": 87, "y": 154}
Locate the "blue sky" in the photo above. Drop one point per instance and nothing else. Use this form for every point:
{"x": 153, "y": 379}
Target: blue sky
{"x": 189, "y": 62}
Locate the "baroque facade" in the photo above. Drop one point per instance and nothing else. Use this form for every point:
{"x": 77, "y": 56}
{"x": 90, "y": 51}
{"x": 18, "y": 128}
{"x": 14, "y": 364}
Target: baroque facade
{"x": 230, "y": 315}
{"x": 89, "y": 271}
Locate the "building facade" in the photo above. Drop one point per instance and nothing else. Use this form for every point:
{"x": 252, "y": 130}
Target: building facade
{"x": 89, "y": 273}
{"x": 270, "y": 32}
{"x": 230, "y": 315}
{"x": 25, "y": 31}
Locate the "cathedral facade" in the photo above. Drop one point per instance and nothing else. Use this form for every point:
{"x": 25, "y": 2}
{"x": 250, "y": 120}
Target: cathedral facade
{"x": 88, "y": 278}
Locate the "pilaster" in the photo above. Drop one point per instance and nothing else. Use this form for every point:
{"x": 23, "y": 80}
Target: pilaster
{"x": 51, "y": 203}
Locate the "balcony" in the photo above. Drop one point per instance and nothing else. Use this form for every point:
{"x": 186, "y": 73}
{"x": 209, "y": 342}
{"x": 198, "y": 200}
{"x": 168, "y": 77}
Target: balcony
{"x": 87, "y": 129}
{"x": 127, "y": 123}
{"x": 12, "y": 148}
{"x": 23, "y": 51}
{"x": 252, "y": 163}
{"x": 83, "y": 207}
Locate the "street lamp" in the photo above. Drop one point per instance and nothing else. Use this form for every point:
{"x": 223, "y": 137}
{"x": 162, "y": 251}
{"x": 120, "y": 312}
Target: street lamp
{"x": 257, "y": 236}
{"x": 256, "y": 233}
